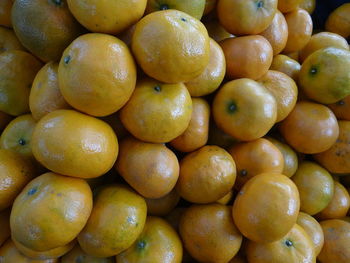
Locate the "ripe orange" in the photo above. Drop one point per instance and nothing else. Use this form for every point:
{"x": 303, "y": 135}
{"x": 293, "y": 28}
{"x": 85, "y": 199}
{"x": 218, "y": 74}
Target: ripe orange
{"x": 216, "y": 31}
{"x": 286, "y": 6}
{"x": 8, "y": 39}
{"x": 206, "y": 175}
{"x": 209, "y": 234}
{"x": 247, "y": 56}
{"x": 286, "y": 65}
{"x": 339, "y": 22}
{"x": 308, "y": 5}
{"x": 171, "y": 46}
{"x": 77, "y": 255}
{"x": 341, "y": 108}
{"x": 164, "y": 205}
{"x": 244, "y": 109}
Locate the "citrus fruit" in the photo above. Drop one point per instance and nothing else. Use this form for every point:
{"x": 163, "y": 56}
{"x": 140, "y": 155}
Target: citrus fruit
{"x": 226, "y": 199}
{"x": 77, "y": 255}
{"x": 5, "y": 12}
{"x": 216, "y": 31}
{"x": 338, "y": 21}
{"x": 210, "y": 5}
{"x": 286, "y": 6}
{"x": 341, "y": 108}
{"x": 8, "y": 40}
{"x": 164, "y": 205}
{"x": 308, "y": 5}
{"x": 286, "y": 65}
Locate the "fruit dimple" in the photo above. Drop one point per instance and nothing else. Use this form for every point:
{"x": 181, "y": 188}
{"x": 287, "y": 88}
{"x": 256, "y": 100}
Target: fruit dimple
{"x": 231, "y": 107}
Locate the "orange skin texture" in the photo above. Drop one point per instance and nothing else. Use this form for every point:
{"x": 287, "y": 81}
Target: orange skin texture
{"x": 299, "y": 30}
{"x": 256, "y": 157}
{"x": 170, "y": 60}
{"x": 206, "y": 175}
{"x": 290, "y": 157}
{"x": 244, "y": 109}
{"x": 209, "y": 233}
{"x": 5, "y": 225}
{"x": 45, "y": 95}
{"x": 55, "y": 207}
{"x": 196, "y": 134}
{"x": 308, "y": 5}
{"x": 51, "y": 29}
{"x": 284, "y": 89}
{"x": 242, "y": 17}
{"x": 9, "y": 253}
{"x": 8, "y": 39}
{"x": 336, "y": 159}
{"x": 212, "y": 76}
{"x": 117, "y": 219}
{"x": 15, "y": 172}
{"x": 277, "y": 33}
{"x": 157, "y": 112}
{"x": 315, "y": 185}
{"x": 313, "y": 229}
{"x": 158, "y": 243}
{"x": 17, "y": 71}
{"x": 151, "y": 169}
{"x": 286, "y": 6}
{"x": 339, "y": 22}
{"x": 339, "y": 205}
{"x": 301, "y": 250}
{"x": 77, "y": 254}
{"x": 341, "y": 109}
{"x": 310, "y": 128}
{"x": 286, "y": 65}
{"x": 164, "y": 205}
{"x": 44, "y": 255}
{"x": 109, "y": 17}
{"x": 336, "y": 241}
{"x": 90, "y": 146}
{"x": 216, "y": 31}
{"x": 247, "y": 56}
{"x": 267, "y": 207}
{"x": 5, "y": 13}
{"x": 322, "y": 40}
{"x": 17, "y": 135}
{"x": 117, "y": 74}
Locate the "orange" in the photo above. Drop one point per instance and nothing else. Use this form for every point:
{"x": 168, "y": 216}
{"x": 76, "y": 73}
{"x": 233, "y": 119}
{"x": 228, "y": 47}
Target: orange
{"x": 17, "y": 72}
{"x": 77, "y": 255}
{"x": 267, "y": 207}
{"x": 18, "y": 134}
{"x": 336, "y": 242}
{"x": 126, "y": 35}
{"x": 45, "y": 95}
{"x": 151, "y": 169}
{"x": 5, "y": 12}
{"x": 15, "y": 172}
{"x": 313, "y": 229}
{"x": 247, "y": 56}
{"x": 164, "y": 205}
{"x": 116, "y": 124}
{"x": 324, "y": 76}
{"x": 8, "y": 40}
{"x": 158, "y": 243}
{"x": 157, "y": 112}
{"x": 9, "y": 253}
{"x": 206, "y": 175}
{"x": 294, "y": 247}
{"x": 209, "y": 234}
{"x": 52, "y": 19}
{"x": 50, "y": 212}
{"x": 216, "y": 31}
{"x": 210, "y": 5}
{"x": 336, "y": 159}
{"x": 212, "y": 76}
{"x": 315, "y": 186}
{"x": 89, "y": 148}
{"x": 171, "y": 46}
{"x": 290, "y": 158}
{"x": 308, "y": 5}
{"x": 5, "y": 119}
{"x": 286, "y": 65}
{"x": 341, "y": 108}
{"x": 107, "y": 16}
{"x": 97, "y": 94}
{"x": 284, "y": 89}
{"x": 246, "y": 17}
{"x": 219, "y": 138}
{"x": 299, "y": 30}
{"x": 293, "y": 55}
{"x": 338, "y": 21}
{"x": 5, "y": 225}
{"x": 339, "y": 205}
{"x": 196, "y": 134}
{"x": 322, "y": 40}
{"x": 244, "y": 109}
{"x": 226, "y": 199}
{"x": 256, "y": 157}
{"x": 286, "y": 6}
{"x": 117, "y": 219}
{"x": 194, "y": 8}
{"x": 310, "y": 128}
{"x": 277, "y": 33}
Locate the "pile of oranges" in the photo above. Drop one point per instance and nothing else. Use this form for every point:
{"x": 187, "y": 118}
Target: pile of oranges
{"x": 168, "y": 131}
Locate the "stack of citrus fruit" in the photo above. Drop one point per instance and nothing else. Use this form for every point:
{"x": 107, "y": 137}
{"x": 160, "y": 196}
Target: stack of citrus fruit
{"x": 173, "y": 131}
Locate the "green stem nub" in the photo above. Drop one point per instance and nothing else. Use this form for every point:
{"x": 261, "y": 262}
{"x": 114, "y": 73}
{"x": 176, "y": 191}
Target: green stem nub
{"x": 341, "y": 103}
{"x": 163, "y": 7}
{"x": 58, "y": 2}
{"x": 22, "y": 141}
{"x": 66, "y": 60}
{"x": 231, "y": 107}
{"x": 141, "y": 244}
{"x": 313, "y": 70}
{"x": 243, "y": 172}
{"x": 289, "y": 243}
{"x": 260, "y": 4}
{"x": 157, "y": 88}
